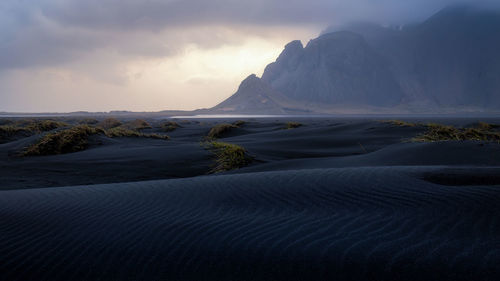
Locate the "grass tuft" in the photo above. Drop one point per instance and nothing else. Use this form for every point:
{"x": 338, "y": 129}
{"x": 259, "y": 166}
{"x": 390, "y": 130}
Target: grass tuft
{"x": 9, "y": 131}
{"x": 27, "y": 127}
{"x": 109, "y": 123}
{"x": 66, "y": 141}
{"x": 5, "y": 122}
{"x": 170, "y": 126}
{"x": 438, "y": 132}
{"x": 228, "y": 156}
{"x": 220, "y": 129}
{"x": 88, "y": 121}
{"x": 120, "y": 132}
{"x": 76, "y": 139}
{"x": 400, "y": 123}
{"x": 292, "y": 125}
{"x": 487, "y": 126}
{"x": 45, "y": 125}
{"x": 239, "y": 123}
{"x": 137, "y": 124}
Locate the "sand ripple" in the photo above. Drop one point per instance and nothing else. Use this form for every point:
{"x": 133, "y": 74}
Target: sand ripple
{"x": 326, "y": 224}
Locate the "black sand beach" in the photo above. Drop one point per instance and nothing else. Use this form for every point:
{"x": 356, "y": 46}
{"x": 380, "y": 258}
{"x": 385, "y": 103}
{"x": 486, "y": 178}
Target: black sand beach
{"x": 333, "y": 199}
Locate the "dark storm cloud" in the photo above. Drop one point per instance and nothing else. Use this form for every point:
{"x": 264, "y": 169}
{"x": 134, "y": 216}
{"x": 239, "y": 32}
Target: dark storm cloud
{"x": 154, "y": 14}
{"x": 50, "y": 32}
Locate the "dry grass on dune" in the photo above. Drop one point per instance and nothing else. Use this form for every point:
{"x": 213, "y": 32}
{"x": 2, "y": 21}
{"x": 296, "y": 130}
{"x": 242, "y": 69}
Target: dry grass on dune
{"x": 228, "y": 156}
{"x": 438, "y": 132}
{"x": 124, "y": 132}
{"x": 8, "y": 131}
{"x": 292, "y": 125}
{"x": 76, "y": 139}
{"x": 109, "y": 123}
{"x": 219, "y": 130}
{"x": 88, "y": 121}
{"x": 487, "y": 126}
{"x": 65, "y": 141}
{"x": 137, "y": 124}
{"x": 5, "y": 122}
{"x": 37, "y": 126}
{"x": 45, "y": 125}
{"x": 170, "y": 126}
{"x": 28, "y": 127}
{"x": 239, "y": 123}
{"x": 400, "y": 123}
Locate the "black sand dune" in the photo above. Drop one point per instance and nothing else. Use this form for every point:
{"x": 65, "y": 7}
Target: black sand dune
{"x": 328, "y": 224}
{"x": 335, "y": 199}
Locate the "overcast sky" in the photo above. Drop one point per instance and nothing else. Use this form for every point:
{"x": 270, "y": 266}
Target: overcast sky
{"x": 151, "y": 55}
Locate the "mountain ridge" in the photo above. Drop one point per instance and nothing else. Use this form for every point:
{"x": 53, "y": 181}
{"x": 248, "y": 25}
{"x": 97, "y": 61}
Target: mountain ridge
{"x": 449, "y": 62}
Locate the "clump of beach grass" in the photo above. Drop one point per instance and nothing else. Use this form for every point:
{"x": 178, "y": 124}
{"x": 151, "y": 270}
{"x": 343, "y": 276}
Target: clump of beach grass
{"x": 109, "y": 123}
{"x": 45, "y": 125}
{"x": 228, "y": 156}
{"x": 487, "y": 126}
{"x": 88, "y": 121}
{"x": 38, "y": 126}
{"x": 65, "y": 141}
{"x": 137, "y": 124}
{"x": 120, "y": 132}
{"x": 76, "y": 139}
{"x": 28, "y": 127}
{"x": 239, "y": 123}
{"x": 292, "y": 125}
{"x": 170, "y": 126}
{"x": 219, "y": 130}
{"x": 4, "y": 122}
{"x": 9, "y": 131}
{"x": 400, "y": 123}
{"x": 438, "y": 132}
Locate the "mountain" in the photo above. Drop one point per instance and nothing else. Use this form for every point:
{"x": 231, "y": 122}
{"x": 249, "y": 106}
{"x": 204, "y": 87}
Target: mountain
{"x": 448, "y": 63}
{"x": 253, "y": 96}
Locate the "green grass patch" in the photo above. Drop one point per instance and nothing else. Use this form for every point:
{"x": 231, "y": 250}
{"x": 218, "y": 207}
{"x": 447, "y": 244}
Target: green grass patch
{"x": 228, "y": 156}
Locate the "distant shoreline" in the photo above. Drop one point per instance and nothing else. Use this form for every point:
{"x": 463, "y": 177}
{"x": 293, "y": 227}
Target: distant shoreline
{"x": 160, "y": 115}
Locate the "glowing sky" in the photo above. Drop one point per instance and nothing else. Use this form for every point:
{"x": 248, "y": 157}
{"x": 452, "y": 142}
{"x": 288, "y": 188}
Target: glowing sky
{"x": 151, "y": 55}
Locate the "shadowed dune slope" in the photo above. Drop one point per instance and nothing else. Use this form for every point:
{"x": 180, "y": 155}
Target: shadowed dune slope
{"x": 453, "y": 153}
{"x": 326, "y": 224}
{"x": 323, "y": 142}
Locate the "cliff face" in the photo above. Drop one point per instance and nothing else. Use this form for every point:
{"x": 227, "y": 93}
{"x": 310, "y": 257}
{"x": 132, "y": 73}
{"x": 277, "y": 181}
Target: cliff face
{"x": 336, "y": 68}
{"x": 451, "y": 61}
